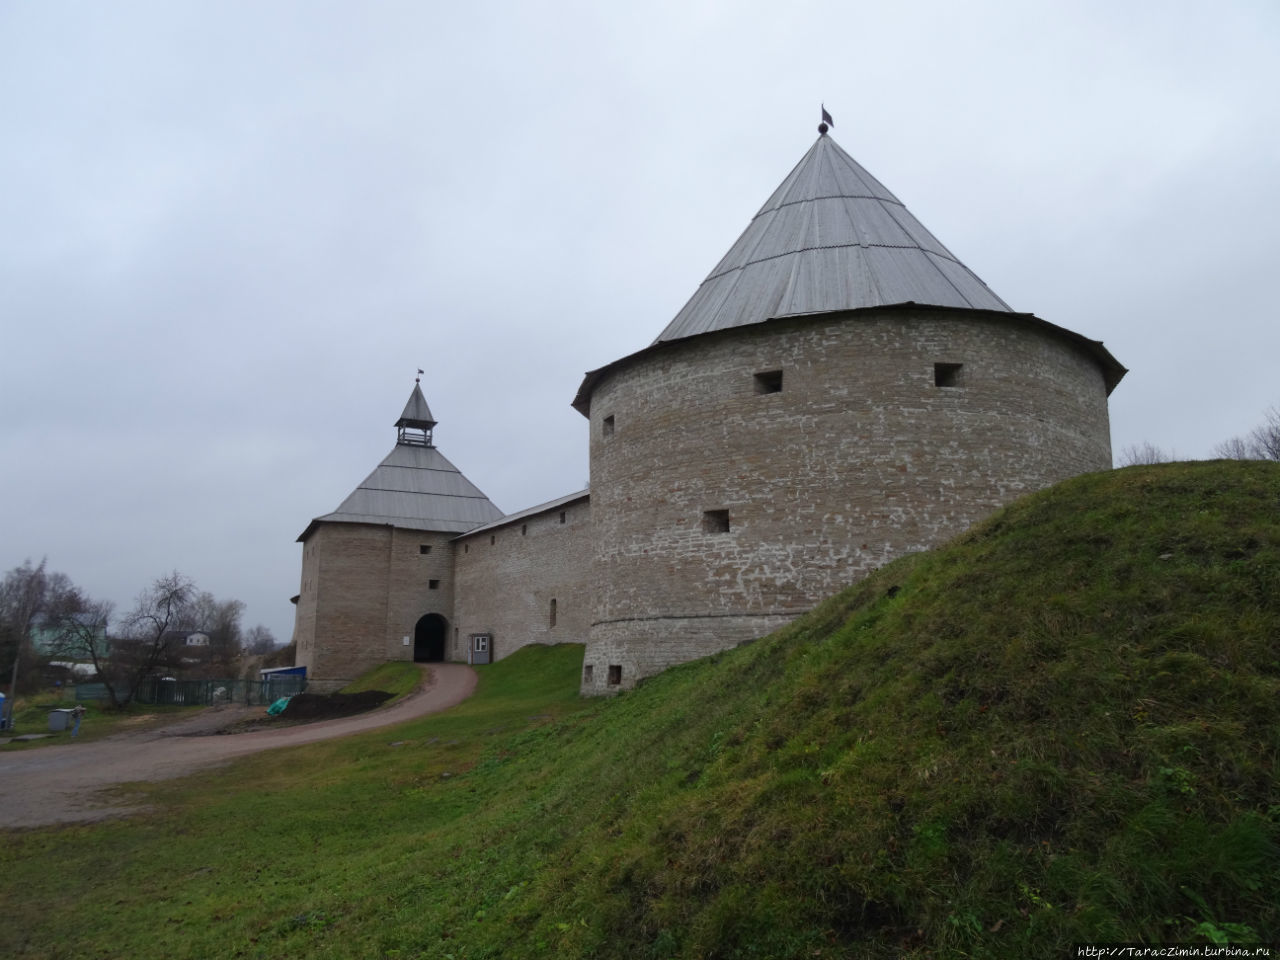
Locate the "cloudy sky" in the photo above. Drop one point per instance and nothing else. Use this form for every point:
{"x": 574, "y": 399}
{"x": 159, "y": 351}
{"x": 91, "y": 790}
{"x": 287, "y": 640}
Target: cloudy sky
{"x": 230, "y": 232}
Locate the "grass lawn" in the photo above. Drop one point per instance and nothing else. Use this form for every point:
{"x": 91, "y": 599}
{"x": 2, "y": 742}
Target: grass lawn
{"x": 280, "y": 853}
{"x": 398, "y": 678}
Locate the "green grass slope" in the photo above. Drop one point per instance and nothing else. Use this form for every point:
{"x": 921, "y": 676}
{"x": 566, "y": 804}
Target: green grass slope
{"x": 398, "y": 678}
{"x": 1061, "y": 727}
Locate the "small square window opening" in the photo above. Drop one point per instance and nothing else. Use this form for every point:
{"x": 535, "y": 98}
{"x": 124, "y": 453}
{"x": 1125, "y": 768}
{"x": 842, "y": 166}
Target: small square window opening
{"x": 947, "y": 374}
{"x": 770, "y": 381}
{"x": 615, "y": 674}
{"x": 715, "y": 521}
{"x": 433, "y": 584}
{"x": 424, "y": 549}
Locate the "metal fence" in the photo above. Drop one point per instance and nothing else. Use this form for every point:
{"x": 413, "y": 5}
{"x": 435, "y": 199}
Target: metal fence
{"x": 203, "y": 693}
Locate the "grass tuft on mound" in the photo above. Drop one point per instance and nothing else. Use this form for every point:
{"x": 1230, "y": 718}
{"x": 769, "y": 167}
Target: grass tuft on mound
{"x": 1061, "y": 727}
{"x": 398, "y": 678}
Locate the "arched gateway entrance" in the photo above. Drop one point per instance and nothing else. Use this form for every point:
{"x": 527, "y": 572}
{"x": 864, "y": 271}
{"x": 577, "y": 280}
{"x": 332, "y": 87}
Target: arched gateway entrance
{"x": 428, "y": 638}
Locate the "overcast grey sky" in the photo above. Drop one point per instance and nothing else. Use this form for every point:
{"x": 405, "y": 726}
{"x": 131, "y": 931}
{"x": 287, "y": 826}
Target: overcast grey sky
{"x": 230, "y": 232}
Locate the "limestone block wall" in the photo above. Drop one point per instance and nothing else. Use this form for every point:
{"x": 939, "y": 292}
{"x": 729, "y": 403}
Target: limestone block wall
{"x": 508, "y": 576}
{"x": 304, "y": 611}
{"x": 740, "y": 477}
{"x": 364, "y": 587}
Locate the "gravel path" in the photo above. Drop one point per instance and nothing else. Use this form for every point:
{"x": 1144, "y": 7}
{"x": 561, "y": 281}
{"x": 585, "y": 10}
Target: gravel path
{"x": 61, "y": 784}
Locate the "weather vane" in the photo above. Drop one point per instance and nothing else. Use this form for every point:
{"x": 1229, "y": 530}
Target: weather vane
{"x": 827, "y": 122}
{"x": 418, "y": 378}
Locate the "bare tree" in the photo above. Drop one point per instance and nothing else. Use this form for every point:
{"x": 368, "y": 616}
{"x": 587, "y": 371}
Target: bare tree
{"x": 147, "y": 634}
{"x": 1144, "y": 453}
{"x": 77, "y": 625}
{"x": 1265, "y": 438}
{"x": 33, "y": 600}
{"x": 219, "y": 620}
{"x": 22, "y": 596}
{"x": 1237, "y": 448}
{"x": 1260, "y": 443}
{"x": 259, "y": 641}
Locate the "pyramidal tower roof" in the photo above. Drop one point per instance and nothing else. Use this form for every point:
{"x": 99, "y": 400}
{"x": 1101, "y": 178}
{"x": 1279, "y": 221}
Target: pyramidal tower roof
{"x": 415, "y": 487}
{"x": 416, "y": 412}
{"x": 831, "y": 237}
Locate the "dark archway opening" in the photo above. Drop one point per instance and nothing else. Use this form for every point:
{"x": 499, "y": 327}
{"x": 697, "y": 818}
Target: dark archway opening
{"x": 428, "y": 639}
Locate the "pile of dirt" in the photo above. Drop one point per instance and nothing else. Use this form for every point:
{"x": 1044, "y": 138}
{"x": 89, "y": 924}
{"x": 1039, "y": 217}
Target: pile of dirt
{"x": 314, "y": 706}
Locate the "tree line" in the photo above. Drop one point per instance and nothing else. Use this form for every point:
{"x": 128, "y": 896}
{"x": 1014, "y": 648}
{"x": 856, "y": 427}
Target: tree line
{"x": 1260, "y": 443}
{"x": 172, "y": 627}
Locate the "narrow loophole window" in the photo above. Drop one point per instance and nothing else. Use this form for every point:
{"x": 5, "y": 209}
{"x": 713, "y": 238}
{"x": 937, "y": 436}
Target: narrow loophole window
{"x": 615, "y": 674}
{"x": 553, "y": 612}
{"x": 606, "y": 426}
{"x": 588, "y": 672}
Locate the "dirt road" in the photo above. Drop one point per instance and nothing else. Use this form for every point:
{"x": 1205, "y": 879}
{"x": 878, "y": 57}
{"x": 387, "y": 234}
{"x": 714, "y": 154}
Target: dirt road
{"x": 61, "y": 784}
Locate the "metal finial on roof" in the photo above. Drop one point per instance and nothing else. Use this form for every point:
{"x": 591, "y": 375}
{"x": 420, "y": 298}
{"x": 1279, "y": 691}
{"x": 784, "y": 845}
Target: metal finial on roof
{"x": 827, "y": 123}
{"x": 418, "y": 378}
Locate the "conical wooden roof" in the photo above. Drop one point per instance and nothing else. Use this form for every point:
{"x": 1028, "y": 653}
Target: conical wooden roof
{"x": 831, "y": 237}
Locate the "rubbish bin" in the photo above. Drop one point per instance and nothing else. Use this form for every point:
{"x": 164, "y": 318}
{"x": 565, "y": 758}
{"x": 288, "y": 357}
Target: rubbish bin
{"x": 59, "y": 720}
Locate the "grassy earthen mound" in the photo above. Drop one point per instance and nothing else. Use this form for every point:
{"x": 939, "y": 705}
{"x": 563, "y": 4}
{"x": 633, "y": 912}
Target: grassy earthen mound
{"x": 315, "y": 706}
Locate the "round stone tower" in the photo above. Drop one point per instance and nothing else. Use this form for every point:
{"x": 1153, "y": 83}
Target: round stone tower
{"x": 841, "y": 390}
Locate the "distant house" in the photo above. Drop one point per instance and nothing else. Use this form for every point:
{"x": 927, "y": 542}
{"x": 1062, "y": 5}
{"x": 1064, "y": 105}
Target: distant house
{"x": 49, "y": 642}
{"x": 173, "y": 639}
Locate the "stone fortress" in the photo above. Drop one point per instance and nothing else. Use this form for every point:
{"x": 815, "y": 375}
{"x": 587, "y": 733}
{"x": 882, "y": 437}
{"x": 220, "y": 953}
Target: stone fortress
{"x": 838, "y": 392}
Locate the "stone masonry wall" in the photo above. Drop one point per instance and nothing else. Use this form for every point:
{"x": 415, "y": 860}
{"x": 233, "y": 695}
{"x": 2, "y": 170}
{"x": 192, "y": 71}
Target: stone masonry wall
{"x": 304, "y": 612}
{"x": 860, "y": 457}
{"x": 507, "y": 577}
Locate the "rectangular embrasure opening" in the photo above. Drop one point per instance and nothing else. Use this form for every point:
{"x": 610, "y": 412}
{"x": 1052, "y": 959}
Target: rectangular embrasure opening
{"x": 769, "y": 381}
{"x": 715, "y": 521}
{"x": 947, "y": 374}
